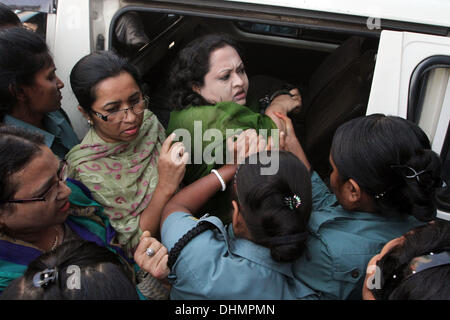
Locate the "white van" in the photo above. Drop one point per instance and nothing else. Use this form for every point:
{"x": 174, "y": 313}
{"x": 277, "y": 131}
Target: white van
{"x": 351, "y": 57}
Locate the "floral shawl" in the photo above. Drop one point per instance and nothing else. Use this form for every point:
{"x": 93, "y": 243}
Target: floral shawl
{"x": 121, "y": 176}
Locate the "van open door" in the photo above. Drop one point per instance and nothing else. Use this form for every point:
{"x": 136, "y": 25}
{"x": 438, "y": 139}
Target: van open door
{"x": 411, "y": 80}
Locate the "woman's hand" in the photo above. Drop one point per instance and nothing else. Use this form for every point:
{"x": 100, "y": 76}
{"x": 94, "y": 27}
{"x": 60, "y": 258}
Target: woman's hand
{"x": 171, "y": 169}
{"x": 283, "y": 104}
{"x": 247, "y": 143}
{"x": 156, "y": 264}
{"x": 289, "y": 141}
{"x": 171, "y": 165}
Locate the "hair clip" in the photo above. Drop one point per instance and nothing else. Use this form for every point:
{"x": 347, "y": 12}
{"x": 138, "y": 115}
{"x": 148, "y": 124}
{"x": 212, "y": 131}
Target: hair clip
{"x": 412, "y": 174}
{"x": 293, "y": 202}
{"x": 380, "y": 195}
{"x": 426, "y": 262}
{"x": 42, "y": 279}
{"x": 436, "y": 182}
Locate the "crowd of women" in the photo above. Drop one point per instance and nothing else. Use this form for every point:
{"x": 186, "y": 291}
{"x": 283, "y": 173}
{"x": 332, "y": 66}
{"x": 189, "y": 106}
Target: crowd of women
{"x": 125, "y": 214}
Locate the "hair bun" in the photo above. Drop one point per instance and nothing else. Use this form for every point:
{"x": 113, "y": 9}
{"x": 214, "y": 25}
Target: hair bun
{"x": 425, "y": 168}
{"x": 288, "y": 251}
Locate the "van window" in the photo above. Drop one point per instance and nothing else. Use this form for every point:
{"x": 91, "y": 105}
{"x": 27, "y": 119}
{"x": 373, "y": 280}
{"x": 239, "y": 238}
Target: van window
{"x": 47, "y": 6}
{"x": 268, "y": 29}
{"x": 429, "y": 90}
{"x": 429, "y": 76}
{"x": 303, "y": 33}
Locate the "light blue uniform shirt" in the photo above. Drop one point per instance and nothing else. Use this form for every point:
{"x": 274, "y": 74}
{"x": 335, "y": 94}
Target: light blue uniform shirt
{"x": 217, "y": 265}
{"x": 342, "y": 243}
{"x": 59, "y": 135}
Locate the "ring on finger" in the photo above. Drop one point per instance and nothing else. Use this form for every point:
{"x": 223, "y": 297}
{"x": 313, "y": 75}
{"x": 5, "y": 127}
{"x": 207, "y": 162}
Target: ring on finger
{"x": 150, "y": 252}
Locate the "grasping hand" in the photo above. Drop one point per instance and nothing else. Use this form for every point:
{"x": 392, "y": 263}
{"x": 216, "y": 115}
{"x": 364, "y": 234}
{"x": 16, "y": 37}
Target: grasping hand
{"x": 155, "y": 264}
{"x": 291, "y": 142}
{"x": 283, "y": 104}
{"x": 171, "y": 165}
{"x": 247, "y": 143}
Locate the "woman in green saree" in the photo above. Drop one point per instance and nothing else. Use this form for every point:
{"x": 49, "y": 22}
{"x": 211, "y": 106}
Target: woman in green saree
{"x": 208, "y": 86}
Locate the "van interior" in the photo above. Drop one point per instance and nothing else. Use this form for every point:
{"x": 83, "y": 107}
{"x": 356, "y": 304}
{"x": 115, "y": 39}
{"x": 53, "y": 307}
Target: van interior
{"x": 332, "y": 67}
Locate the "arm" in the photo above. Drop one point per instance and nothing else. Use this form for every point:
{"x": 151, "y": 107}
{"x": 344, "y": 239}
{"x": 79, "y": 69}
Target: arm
{"x": 189, "y": 200}
{"x": 283, "y": 104}
{"x": 194, "y": 196}
{"x": 156, "y": 265}
{"x": 171, "y": 169}
{"x": 291, "y": 143}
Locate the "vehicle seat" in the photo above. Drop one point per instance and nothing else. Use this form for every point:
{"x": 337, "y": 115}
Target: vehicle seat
{"x": 338, "y": 91}
{"x": 130, "y": 34}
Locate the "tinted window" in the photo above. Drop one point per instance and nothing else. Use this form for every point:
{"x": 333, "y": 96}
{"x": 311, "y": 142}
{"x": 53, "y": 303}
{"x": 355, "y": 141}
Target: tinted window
{"x": 421, "y": 105}
{"x": 303, "y": 33}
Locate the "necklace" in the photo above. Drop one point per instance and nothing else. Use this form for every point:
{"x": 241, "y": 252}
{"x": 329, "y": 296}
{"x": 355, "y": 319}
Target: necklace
{"x": 55, "y": 243}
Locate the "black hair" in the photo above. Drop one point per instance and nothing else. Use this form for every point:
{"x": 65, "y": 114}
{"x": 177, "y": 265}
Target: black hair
{"x": 191, "y": 66}
{"x": 102, "y": 275}
{"x": 262, "y": 201}
{"x": 17, "y": 148}
{"x": 429, "y": 284}
{"x": 8, "y": 17}
{"x": 272, "y": 220}
{"x": 22, "y": 54}
{"x": 378, "y": 152}
{"x": 94, "y": 68}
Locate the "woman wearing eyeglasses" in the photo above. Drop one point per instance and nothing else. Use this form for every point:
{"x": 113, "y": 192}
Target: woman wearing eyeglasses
{"x": 38, "y": 211}
{"x": 125, "y": 159}
{"x": 30, "y": 90}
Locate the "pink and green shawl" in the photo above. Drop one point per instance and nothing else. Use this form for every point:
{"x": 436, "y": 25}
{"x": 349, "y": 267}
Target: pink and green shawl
{"x": 122, "y": 176}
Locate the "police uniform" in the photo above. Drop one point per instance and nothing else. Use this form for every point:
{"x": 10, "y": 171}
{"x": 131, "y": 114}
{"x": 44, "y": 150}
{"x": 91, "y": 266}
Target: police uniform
{"x": 342, "y": 243}
{"x": 58, "y": 136}
{"x": 217, "y": 265}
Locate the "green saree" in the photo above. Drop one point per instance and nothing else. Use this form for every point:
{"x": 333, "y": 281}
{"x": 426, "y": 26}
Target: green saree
{"x": 222, "y": 116}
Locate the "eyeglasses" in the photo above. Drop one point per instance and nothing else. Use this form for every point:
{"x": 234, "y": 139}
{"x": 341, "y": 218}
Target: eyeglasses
{"x": 62, "y": 176}
{"x": 119, "y": 115}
